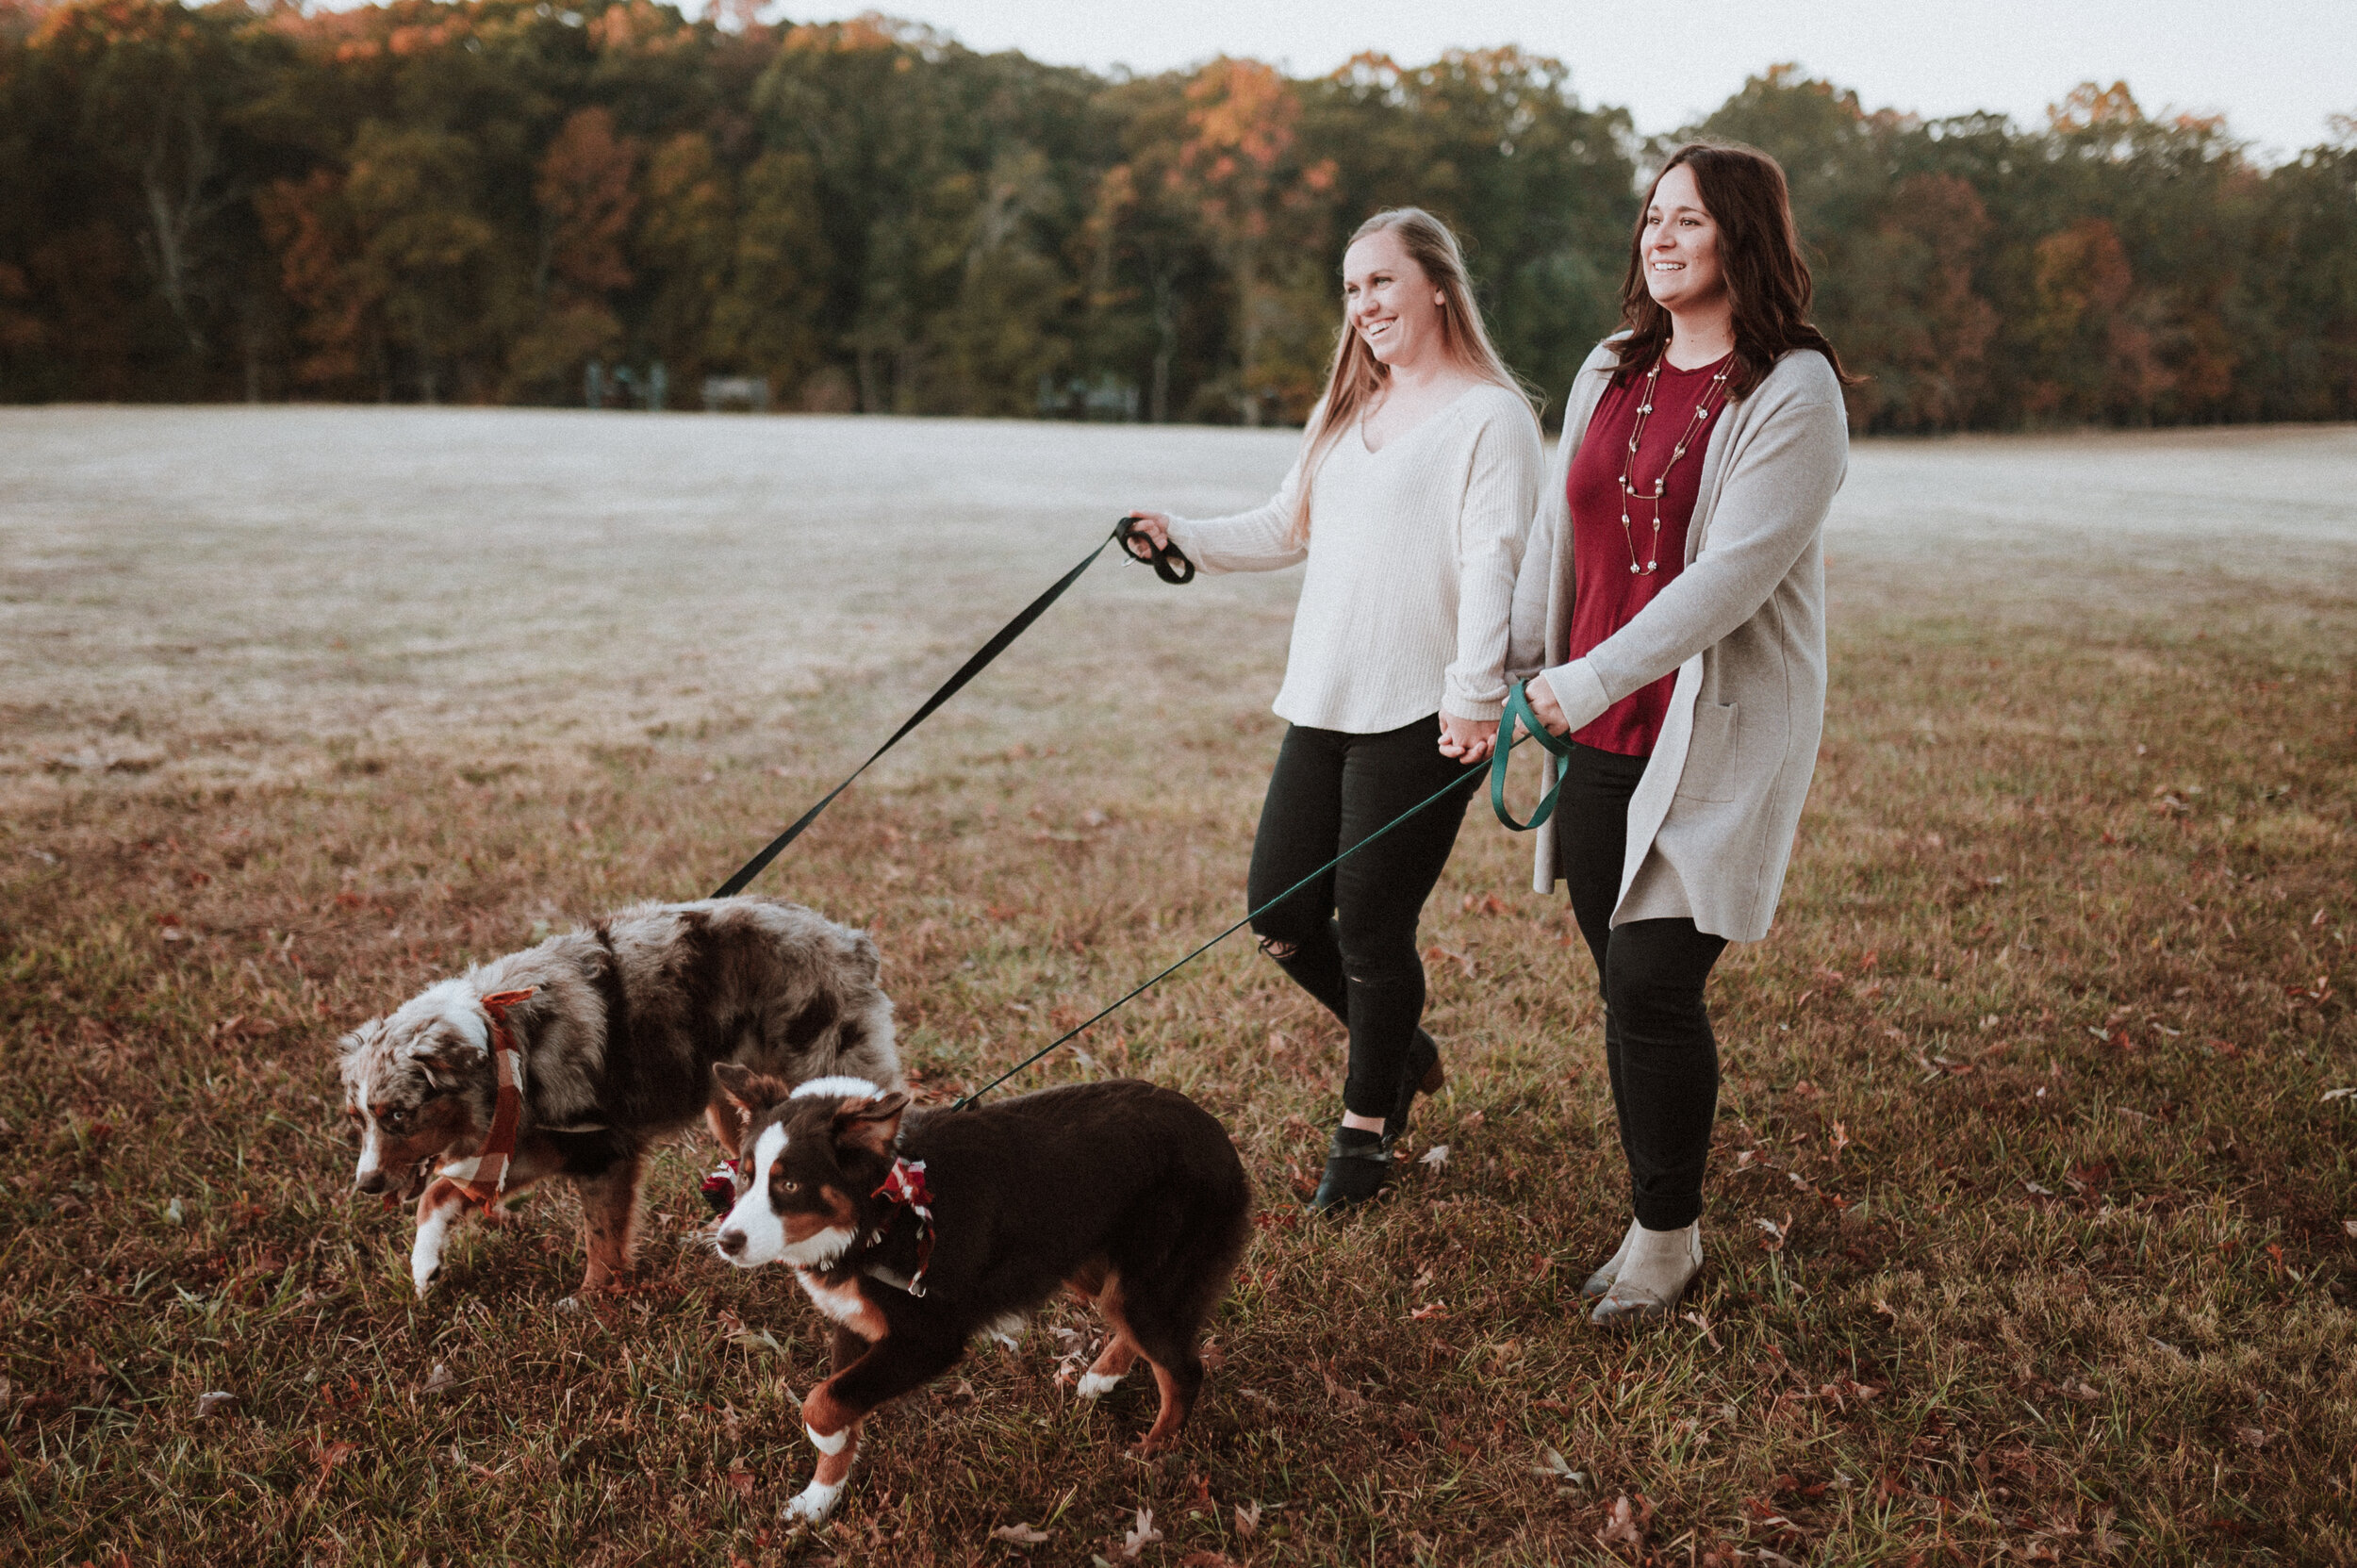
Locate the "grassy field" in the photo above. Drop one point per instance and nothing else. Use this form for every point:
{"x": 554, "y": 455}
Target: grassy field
{"x": 2032, "y": 1230}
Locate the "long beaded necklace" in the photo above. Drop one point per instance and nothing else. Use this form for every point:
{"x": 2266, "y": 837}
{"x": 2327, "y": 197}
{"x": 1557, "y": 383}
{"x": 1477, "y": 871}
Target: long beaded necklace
{"x": 1703, "y": 407}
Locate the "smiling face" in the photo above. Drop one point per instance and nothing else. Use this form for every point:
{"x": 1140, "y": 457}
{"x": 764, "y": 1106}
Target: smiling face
{"x": 1391, "y": 304}
{"x": 408, "y": 1085}
{"x": 804, "y": 1161}
{"x": 1680, "y": 246}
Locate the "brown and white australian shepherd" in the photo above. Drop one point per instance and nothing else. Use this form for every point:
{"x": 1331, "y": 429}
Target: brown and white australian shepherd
{"x": 914, "y": 1230}
{"x": 613, "y": 1032}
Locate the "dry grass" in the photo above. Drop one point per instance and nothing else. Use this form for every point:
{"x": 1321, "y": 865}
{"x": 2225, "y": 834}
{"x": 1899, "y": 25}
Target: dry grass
{"x": 2029, "y": 1226}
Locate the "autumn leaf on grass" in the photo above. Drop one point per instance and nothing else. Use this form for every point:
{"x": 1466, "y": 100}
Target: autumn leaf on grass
{"x": 1247, "y": 1520}
{"x": 1436, "y": 1156}
{"x": 1773, "y": 1239}
{"x": 2337, "y": 1094}
{"x": 1018, "y": 1535}
{"x": 1141, "y": 1535}
{"x": 742, "y": 1483}
{"x": 1624, "y": 1523}
{"x": 1553, "y": 1464}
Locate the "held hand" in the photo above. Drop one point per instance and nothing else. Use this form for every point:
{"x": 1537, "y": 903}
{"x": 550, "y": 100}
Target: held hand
{"x": 1541, "y": 696}
{"x": 1152, "y": 525}
{"x": 1469, "y": 740}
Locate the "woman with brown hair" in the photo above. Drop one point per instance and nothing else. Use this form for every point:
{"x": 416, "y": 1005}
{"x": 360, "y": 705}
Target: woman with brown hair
{"x": 1671, "y": 603}
{"x": 1409, "y": 501}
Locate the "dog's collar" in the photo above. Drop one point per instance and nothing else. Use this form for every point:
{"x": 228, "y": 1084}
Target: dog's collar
{"x": 483, "y": 1177}
{"x": 905, "y": 1185}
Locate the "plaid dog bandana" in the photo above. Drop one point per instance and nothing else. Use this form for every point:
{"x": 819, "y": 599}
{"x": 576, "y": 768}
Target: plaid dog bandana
{"x": 906, "y": 1185}
{"x": 483, "y": 1177}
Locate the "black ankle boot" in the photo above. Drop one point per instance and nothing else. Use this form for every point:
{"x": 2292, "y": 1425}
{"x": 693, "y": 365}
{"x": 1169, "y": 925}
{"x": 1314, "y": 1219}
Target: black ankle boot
{"x": 1356, "y": 1164}
{"x": 1422, "y": 1077}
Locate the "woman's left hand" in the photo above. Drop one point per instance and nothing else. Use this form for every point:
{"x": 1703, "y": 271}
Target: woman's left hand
{"x": 1469, "y": 740}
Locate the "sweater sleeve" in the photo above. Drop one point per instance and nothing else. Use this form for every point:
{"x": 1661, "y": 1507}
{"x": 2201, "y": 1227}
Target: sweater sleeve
{"x": 1772, "y": 503}
{"x": 1259, "y": 540}
{"x": 1492, "y": 522}
{"x": 1527, "y": 636}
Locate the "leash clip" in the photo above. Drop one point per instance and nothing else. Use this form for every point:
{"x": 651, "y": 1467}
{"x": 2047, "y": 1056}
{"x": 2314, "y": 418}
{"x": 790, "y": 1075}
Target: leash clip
{"x": 1169, "y": 562}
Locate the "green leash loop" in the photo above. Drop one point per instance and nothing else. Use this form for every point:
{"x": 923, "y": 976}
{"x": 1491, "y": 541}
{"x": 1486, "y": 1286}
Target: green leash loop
{"x": 1518, "y": 710}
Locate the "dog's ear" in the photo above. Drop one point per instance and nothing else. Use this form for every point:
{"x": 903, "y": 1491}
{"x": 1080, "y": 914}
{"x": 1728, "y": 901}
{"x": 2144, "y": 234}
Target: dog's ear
{"x": 751, "y": 1092}
{"x": 873, "y": 1125}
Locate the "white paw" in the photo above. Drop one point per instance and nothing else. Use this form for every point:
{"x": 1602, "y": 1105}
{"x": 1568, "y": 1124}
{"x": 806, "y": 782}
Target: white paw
{"x": 811, "y": 1504}
{"x": 425, "y": 1255}
{"x": 1096, "y": 1385}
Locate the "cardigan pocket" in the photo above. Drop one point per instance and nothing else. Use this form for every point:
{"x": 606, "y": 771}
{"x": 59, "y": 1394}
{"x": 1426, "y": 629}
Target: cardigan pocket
{"x": 1710, "y": 753}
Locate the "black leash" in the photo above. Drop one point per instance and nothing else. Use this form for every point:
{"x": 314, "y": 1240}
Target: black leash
{"x": 1169, "y": 564}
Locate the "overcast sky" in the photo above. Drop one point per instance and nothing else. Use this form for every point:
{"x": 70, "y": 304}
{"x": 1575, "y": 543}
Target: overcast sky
{"x": 2275, "y": 67}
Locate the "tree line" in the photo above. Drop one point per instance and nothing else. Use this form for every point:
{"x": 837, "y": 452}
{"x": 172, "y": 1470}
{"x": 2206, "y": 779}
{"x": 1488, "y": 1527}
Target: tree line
{"x": 505, "y": 201}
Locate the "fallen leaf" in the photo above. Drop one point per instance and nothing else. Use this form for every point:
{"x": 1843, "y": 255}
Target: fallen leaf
{"x": 1840, "y": 1137}
{"x": 438, "y": 1380}
{"x": 1438, "y": 1309}
{"x": 1625, "y": 1524}
{"x": 1553, "y": 1464}
{"x": 216, "y": 1403}
{"x": 1018, "y": 1535}
{"x": 742, "y": 1483}
{"x": 2339, "y": 1094}
{"x": 1700, "y": 1321}
{"x": 1248, "y": 1520}
{"x": 1437, "y": 1155}
{"x": 1141, "y": 1535}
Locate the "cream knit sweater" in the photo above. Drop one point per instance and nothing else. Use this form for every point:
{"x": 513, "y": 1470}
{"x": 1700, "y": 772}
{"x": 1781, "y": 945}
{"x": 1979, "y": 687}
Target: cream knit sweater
{"x": 1413, "y": 552}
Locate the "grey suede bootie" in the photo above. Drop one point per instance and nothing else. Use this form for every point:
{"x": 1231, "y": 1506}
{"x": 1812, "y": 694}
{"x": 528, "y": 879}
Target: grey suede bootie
{"x": 1652, "y": 1277}
{"x": 1602, "y": 1279}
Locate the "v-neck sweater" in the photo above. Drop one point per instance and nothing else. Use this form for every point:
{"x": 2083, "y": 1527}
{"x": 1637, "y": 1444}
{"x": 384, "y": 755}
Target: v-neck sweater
{"x": 1412, "y": 556}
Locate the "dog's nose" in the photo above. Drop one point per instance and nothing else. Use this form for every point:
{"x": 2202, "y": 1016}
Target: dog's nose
{"x": 372, "y": 1183}
{"x": 730, "y": 1242}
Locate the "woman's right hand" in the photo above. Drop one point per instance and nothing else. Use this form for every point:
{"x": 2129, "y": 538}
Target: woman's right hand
{"x": 1153, "y": 525}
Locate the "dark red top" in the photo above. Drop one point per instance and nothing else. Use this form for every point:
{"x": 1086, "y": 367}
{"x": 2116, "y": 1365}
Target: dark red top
{"x": 1609, "y": 593}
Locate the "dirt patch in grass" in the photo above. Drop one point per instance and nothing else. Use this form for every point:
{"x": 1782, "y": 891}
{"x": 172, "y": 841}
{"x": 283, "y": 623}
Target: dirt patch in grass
{"x": 2031, "y": 1217}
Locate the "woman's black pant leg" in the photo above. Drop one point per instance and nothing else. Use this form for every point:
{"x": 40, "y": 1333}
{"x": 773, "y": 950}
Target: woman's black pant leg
{"x": 1666, "y": 1080}
{"x": 1349, "y": 938}
{"x": 1659, "y": 1052}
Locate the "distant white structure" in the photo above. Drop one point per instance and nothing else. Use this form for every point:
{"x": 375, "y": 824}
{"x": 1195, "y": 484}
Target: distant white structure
{"x": 749, "y": 392}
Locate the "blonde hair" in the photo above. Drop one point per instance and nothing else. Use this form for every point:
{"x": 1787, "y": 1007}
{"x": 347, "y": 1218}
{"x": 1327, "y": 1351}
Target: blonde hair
{"x": 1356, "y": 378}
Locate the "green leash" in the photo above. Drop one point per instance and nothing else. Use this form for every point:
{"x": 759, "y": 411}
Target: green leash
{"x": 1518, "y": 710}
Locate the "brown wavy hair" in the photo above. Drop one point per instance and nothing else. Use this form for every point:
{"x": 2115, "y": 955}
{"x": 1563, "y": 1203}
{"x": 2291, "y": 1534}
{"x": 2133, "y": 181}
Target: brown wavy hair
{"x": 1355, "y": 377}
{"x": 1759, "y": 255}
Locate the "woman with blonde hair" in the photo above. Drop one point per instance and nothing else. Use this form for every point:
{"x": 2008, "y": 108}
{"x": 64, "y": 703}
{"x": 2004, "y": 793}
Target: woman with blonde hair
{"x": 1673, "y": 605}
{"x": 1410, "y": 503}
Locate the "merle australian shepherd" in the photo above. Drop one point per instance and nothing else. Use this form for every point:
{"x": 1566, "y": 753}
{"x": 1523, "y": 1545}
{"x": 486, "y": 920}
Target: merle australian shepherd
{"x": 914, "y": 1230}
{"x": 615, "y": 1032}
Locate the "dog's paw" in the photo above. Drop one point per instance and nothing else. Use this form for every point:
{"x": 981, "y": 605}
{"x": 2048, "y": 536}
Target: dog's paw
{"x": 425, "y": 1253}
{"x": 812, "y": 1505}
{"x": 1096, "y": 1385}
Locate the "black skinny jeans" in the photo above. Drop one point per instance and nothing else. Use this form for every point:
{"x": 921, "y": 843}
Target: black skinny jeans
{"x": 1657, "y": 1045}
{"x": 1349, "y": 938}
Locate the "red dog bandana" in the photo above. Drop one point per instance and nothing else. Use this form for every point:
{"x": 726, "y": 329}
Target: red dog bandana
{"x": 906, "y": 1184}
{"x": 483, "y": 1178}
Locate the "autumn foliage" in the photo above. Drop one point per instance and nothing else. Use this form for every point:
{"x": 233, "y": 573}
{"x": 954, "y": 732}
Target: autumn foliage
{"x": 427, "y": 201}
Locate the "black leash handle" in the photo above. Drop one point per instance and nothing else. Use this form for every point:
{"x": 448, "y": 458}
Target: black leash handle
{"x": 948, "y": 689}
{"x": 1169, "y": 562}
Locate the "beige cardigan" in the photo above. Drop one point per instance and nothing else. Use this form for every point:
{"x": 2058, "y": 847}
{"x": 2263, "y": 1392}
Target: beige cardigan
{"x": 1710, "y": 827}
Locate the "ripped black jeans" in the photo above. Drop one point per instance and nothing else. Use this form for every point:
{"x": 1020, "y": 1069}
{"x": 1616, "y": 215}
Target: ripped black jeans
{"x": 1349, "y": 938}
